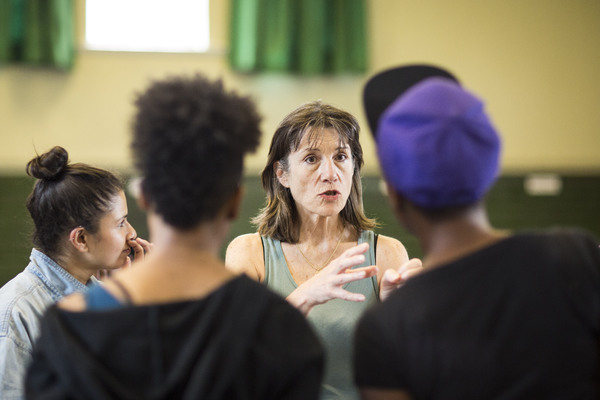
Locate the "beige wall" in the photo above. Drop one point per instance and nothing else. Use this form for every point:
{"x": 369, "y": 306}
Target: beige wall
{"x": 535, "y": 62}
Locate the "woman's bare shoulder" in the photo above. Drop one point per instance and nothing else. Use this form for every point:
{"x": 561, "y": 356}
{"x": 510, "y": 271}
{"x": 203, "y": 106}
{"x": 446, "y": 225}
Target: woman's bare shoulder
{"x": 245, "y": 255}
{"x": 390, "y": 253}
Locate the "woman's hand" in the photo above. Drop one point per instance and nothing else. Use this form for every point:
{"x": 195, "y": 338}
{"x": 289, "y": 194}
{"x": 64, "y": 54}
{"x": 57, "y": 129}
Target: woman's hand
{"x": 327, "y": 284}
{"x": 394, "y": 278}
{"x": 140, "y": 248}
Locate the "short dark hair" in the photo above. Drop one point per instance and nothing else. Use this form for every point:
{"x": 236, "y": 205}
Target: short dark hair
{"x": 190, "y": 136}
{"x": 66, "y": 196}
{"x": 279, "y": 219}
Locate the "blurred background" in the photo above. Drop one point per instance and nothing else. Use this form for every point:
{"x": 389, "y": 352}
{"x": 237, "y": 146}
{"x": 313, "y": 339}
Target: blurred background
{"x": 534, "y": 63}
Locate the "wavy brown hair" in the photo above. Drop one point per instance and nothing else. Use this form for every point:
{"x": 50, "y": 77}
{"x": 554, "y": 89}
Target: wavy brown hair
{"x": 279, "y": 218}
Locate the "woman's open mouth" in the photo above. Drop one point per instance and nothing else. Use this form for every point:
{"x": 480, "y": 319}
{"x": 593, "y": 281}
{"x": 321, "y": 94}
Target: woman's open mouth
{"x": 330, "y": 194}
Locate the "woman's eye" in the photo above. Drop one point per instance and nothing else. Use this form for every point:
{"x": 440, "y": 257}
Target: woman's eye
{"x": 310, "y": 159}
{"x": 342, "y": 157}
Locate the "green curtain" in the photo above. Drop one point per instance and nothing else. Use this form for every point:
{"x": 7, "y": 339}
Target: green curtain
{"x": 37, "y": 32}
{"x": 303, "y": 36}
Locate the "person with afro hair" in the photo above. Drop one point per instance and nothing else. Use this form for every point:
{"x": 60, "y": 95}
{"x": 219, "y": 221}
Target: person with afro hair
{"x": 180, "y": 325}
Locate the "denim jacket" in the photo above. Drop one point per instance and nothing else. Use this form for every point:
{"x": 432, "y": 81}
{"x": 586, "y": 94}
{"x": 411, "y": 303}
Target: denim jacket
{"x": 23, "y": 301}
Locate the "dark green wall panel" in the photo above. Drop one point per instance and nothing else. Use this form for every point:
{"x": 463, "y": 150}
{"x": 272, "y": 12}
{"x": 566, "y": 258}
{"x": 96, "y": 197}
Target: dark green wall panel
{"x": 509, "y": 206}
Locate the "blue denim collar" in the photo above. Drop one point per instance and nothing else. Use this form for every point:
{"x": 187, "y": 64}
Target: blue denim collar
{"x": 56, "y": 278}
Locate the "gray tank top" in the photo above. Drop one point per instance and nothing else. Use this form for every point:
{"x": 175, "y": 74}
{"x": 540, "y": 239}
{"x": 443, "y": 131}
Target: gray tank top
{"x": 333, "y": 321}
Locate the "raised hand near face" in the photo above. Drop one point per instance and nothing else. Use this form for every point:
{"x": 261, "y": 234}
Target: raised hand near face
{"x": 140, "y": 247}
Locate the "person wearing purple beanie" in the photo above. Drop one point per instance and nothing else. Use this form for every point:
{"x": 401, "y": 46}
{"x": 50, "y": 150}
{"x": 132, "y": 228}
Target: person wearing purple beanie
{"x": 494, "y": 314}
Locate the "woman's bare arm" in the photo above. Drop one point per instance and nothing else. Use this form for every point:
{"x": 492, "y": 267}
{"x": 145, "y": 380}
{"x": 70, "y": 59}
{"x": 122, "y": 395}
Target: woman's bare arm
{"x": 245, "y": 255}
{"x": 394, "y": 265}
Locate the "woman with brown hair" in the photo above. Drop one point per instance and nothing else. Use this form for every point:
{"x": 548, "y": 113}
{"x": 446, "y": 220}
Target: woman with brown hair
{"x": 314, "y": 214}
{"x": 81, "y": 227}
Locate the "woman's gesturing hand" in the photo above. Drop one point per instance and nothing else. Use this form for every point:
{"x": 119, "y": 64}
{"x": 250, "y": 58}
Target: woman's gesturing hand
{"x": 327, "y": 284}
{"x": 394, "y": 278}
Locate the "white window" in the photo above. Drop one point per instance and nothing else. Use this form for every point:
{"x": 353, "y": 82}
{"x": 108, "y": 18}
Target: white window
{"x": 147, "y": 25}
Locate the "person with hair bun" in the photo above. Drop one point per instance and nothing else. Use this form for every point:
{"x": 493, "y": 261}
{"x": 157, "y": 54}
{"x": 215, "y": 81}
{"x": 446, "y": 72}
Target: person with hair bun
{"x": 81, "y": 227}
{"x": 180, "y": 325}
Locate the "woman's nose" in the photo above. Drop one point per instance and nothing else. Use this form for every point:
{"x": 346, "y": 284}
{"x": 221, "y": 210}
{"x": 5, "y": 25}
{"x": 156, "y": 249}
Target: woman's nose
{"x": 328, "y": 170}
{"x": 132, "y": 233}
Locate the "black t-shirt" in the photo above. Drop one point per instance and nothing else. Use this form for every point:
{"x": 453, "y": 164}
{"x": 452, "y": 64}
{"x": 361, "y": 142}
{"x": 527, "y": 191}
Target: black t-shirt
{"x": 239, "y": 342}
{"x": 517, "y": 320}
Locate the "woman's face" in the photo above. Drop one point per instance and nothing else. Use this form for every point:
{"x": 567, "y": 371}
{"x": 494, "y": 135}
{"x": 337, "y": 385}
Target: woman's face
{"x": 108, "y": 247}
{"x": 319, "y": 174}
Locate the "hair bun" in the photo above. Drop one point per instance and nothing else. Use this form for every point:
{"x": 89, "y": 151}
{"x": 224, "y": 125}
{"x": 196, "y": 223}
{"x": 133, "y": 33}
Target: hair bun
{"x": 49, "y": 165}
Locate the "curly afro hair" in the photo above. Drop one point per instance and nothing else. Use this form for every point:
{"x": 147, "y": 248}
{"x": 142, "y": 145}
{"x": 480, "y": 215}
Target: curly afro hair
{"x": 190, "y": 137}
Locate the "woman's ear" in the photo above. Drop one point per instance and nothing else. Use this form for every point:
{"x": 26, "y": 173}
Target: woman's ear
{"x": 282, "y": 175}
{"x": 78, "y": 239}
